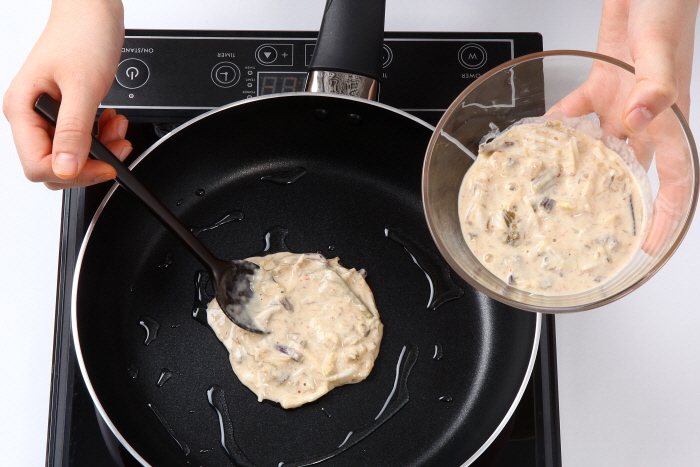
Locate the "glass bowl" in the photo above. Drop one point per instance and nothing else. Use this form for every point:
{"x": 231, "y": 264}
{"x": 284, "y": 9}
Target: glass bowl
{"x": 561, "y": 82}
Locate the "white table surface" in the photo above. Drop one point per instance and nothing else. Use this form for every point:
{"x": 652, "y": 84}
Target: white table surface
{"x": 629, "y": 373}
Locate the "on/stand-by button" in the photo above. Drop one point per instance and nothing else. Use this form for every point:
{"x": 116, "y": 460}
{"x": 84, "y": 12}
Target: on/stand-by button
{"x": 132, "y": 73}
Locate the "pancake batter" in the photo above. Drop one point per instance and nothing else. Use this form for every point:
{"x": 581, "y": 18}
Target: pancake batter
{"x": 324, "y": 329}
{"x": 551, "y": 210}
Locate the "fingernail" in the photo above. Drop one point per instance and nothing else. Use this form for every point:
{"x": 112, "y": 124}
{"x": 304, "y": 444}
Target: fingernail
{"x": 638, "y": 119}
{"x": 65, "y": 164}
{"x": 125, "y": 153}
{"x": 122, "y": 127}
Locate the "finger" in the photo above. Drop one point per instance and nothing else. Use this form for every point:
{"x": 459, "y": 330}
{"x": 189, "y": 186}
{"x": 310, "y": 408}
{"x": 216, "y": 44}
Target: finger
{"x": 120, "y": 148}
{"x": 660, "y": 38}
{"x": 112, "y": 134}
{"x": 96, "y": 171}
{"x": 655, "y": 91}
{"x": 578, "y": 103}
{"x": 93, "y": 172}
{"x": 105, "y": 117}
{"x": 73, "y": 134}
{"x": 112, "y": 128}
{"x": 31, "y": 133}
{"x": 674, "y": 168}
{"x": 643, "y": 148}
{"x": 670, "y": 208}
{"x": 33, "y": 144}
{"x": 575, "y": 104}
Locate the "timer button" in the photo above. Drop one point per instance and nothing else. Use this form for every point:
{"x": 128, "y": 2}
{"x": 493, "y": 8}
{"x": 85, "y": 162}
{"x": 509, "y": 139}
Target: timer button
{"x": 132, "y": 73}
{"x": 472, "y": 56}
{"x": 225, "y": 74}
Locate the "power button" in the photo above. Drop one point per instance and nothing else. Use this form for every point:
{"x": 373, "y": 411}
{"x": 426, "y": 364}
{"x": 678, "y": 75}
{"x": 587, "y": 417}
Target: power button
{"x": 472, "y": 56}
{"x": 132, "y": 73}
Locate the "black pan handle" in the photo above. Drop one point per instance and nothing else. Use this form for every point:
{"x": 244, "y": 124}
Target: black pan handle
{"x": 48, "y": 108}
{"x": 351, "y": 38}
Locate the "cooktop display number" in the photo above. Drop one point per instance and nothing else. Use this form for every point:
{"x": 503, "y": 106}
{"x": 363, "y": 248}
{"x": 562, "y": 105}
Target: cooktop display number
{"x": 270, "y": 82}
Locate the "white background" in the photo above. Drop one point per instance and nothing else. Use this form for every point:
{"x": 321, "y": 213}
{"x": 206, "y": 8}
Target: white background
{"x": 629, "y": 373}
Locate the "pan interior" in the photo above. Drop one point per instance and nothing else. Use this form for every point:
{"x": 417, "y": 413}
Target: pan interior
{"x": 305, "y": 174}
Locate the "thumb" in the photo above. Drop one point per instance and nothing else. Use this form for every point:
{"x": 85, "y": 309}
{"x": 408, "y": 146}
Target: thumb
{"x": 73, "y": 135}
{"x": 656, "y": 88}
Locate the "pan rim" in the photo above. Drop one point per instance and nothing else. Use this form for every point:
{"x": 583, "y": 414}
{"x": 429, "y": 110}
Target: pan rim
{"x": 518, "y": 397}
{"x": 266, "y": 97}
{"x": 90, "y": 229}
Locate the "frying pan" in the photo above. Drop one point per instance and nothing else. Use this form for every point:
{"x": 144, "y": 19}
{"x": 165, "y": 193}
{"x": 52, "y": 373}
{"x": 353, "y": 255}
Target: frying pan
{"x": 299, "y": 172}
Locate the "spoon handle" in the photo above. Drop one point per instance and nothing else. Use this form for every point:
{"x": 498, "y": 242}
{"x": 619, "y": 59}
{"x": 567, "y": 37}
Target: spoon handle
{"x": 47, "y": 107}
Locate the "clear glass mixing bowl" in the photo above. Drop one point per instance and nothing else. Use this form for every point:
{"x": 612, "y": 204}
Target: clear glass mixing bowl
{"x": 574, "y": 83}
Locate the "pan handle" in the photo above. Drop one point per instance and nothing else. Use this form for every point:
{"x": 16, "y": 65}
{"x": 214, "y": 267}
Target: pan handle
{"x": 349, "y": 49}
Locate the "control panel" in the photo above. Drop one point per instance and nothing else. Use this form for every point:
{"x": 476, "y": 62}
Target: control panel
{"x": 185, "y": 73}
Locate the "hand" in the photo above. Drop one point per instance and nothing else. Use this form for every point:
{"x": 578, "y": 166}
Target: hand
{"x": 74, "y": 60}
{"x": 656, "y": 37}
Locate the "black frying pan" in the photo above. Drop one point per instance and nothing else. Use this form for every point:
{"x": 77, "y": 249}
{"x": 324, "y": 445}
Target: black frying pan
{"x": 304, "y": 173}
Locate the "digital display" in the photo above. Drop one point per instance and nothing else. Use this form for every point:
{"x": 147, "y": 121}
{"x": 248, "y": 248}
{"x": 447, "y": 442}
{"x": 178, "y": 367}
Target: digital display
{"x": 276, "y": 82}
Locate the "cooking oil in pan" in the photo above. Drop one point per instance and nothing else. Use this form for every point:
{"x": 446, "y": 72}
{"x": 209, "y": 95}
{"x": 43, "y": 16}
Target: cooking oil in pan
{"x": 437, "y": 355}
{"x": 286, "y": 177}
{"x": 167, "y": 261}
{"x": 180, "y": 442}
{"x": 229, "y": 217}
{"x": 151, "y": 326}
{"x": 398, "y": 397}
{"x": 217, "y": 399}
{"x": 442, "y": 288}
{"x": 202, "y": 297}
{"x": 275, "y": 241}
{"x": 164, "y": 377}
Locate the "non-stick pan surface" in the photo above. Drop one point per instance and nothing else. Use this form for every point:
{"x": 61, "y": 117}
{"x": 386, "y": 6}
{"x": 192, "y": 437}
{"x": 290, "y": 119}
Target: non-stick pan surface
{"x": 308, "y": 173}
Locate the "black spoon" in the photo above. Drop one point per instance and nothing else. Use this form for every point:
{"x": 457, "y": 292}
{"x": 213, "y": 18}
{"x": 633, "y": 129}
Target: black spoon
{"x": 230, "y": 279}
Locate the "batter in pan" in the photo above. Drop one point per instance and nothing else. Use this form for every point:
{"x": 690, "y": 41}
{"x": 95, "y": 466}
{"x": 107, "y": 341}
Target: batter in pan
{"x": 324, "y": 329}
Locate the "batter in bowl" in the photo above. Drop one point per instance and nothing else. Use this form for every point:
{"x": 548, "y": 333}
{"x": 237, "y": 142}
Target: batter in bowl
{"x": 551, "y": 210}
{"x": 324, "y": 329}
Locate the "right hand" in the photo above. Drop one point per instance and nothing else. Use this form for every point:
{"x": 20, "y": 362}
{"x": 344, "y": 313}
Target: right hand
{"x": 74, "y": 61}
{"x": 657, "y": 38}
